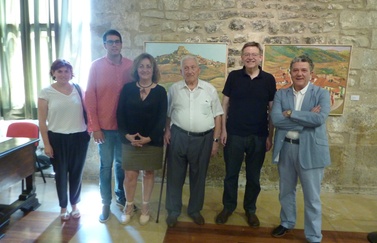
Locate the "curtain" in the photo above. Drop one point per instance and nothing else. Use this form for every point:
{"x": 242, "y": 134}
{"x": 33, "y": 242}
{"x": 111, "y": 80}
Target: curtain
{"x": 33, "y": 34}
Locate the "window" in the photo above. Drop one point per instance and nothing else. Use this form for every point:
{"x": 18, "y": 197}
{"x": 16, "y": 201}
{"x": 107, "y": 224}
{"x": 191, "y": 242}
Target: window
{"x": 33, "y": 33}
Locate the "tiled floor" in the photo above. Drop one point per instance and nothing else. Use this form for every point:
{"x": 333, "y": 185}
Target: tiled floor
{"x": 341, "y": 212}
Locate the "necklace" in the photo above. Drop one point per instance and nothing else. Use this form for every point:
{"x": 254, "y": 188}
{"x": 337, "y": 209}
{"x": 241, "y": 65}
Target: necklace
{"x": 144, "y": 91}
{"x": 141, "y": 86}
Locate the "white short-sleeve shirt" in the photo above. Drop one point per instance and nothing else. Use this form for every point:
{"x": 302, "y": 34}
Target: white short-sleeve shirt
{"x": 193, "y": 110}
{"x": 65, "y": 112}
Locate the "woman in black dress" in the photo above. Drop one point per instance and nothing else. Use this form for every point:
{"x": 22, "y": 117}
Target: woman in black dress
{"x": 141, "y": 117}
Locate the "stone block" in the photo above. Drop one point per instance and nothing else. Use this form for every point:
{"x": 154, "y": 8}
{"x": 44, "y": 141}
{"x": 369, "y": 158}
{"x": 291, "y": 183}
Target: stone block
{"x": 237, "y": 24}
{"x": 355, "y": 19}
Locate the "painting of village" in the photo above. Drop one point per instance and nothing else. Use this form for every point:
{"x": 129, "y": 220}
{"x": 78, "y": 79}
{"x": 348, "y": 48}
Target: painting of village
{"x": 331, "y": 68}
{"x": 212, "y": 59}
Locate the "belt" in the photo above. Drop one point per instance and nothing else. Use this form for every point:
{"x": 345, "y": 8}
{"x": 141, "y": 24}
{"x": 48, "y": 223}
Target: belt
{"x": 194, "y": 134}
{"x": 294, "y": 141}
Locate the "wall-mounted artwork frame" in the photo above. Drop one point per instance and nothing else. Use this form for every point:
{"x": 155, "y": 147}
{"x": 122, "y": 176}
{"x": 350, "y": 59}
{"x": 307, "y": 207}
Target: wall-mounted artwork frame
{"x": 331, "y": 68}
{"x": 212, "y": 59}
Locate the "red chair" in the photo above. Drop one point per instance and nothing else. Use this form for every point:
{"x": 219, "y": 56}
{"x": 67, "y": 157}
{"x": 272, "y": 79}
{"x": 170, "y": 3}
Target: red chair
{"x": 25, "y": 130}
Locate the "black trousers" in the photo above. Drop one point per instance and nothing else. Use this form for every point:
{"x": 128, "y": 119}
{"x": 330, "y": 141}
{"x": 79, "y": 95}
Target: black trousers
{"x": 68, "y": 163}
{"x": 252, "y": 150}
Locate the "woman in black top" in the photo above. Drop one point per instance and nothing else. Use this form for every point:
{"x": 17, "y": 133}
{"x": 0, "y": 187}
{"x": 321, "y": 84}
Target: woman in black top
{"x": 141, "y": 117}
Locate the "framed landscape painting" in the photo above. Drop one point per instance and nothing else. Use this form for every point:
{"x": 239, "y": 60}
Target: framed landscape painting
{"x": 331, "y": 68}
{"x": 212, "y": 59}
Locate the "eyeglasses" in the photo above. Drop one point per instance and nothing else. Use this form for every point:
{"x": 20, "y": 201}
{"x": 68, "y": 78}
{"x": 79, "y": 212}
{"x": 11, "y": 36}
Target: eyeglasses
{"x": 111, "y": 42}
{"x": 251, "y": 54}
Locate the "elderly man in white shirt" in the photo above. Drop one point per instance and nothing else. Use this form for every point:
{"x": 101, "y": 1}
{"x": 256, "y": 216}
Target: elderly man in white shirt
{"x": 192, "y": 133}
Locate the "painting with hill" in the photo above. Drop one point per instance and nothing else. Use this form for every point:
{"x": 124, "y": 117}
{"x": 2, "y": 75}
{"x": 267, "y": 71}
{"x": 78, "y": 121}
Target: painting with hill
{"x": 212, "y": 59}
{"x": 331, "y": 68}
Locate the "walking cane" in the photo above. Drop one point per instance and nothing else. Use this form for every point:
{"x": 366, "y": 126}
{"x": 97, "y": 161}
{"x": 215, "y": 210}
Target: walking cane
{"x": 162, "y": 181}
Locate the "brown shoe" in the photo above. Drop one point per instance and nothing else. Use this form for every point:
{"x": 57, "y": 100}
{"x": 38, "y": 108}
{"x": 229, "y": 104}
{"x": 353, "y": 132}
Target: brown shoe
{"x": 198, "y": 218}
{"x": 222, "y": 217}
{"x": 252, "y": 220}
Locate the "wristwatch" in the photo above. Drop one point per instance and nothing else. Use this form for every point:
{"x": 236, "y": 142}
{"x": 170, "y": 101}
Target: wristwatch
{"x": 216, "y": 140}
{"x": 289, "y": 113}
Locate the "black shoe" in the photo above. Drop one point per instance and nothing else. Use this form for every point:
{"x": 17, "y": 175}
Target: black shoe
{"x": 372, "y": 237}
{"x": 198, "y": 218}
{"x": 252, "y": 220}
{"x": 105, "y": 215}
{"x": 279, "y": 231}
{"x": 121, "y": 203}
{"x": 171, "y": 221}
{"x": 222, "y": 217}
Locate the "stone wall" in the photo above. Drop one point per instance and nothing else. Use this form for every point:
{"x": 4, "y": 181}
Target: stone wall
{"x": 353, "y": 135}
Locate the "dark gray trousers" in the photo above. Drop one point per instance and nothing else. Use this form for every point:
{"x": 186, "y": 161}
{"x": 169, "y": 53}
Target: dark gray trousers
{"x": 193, "y": 152}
